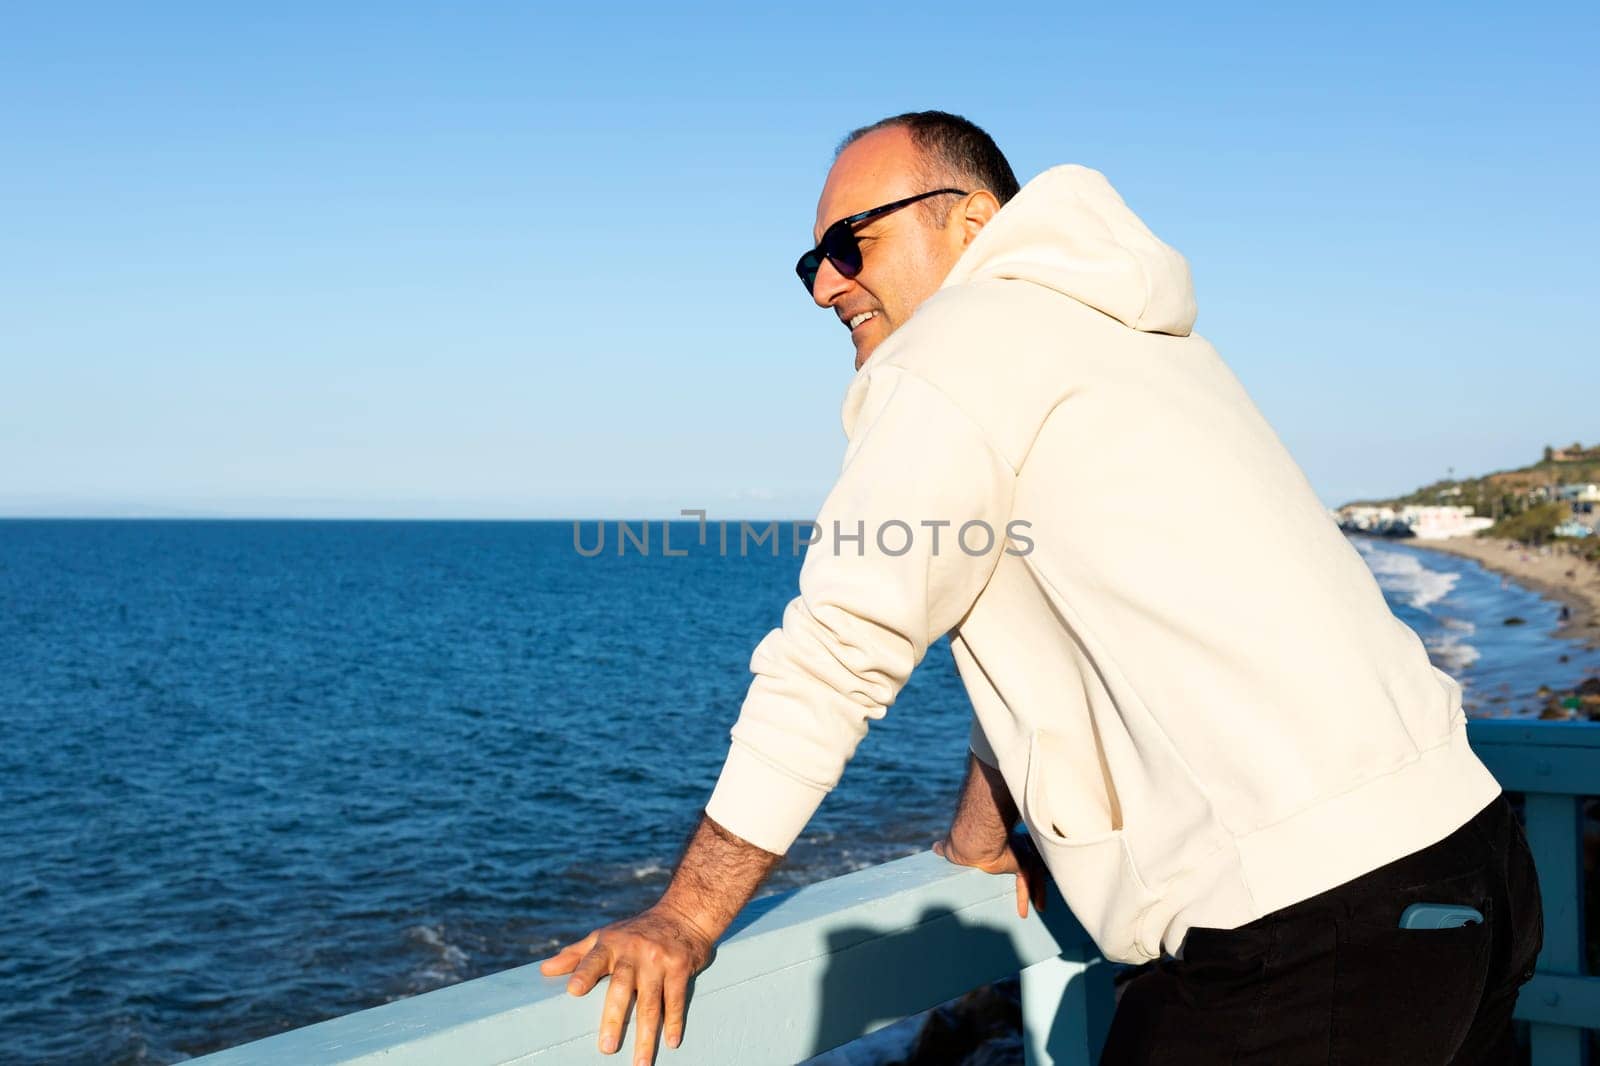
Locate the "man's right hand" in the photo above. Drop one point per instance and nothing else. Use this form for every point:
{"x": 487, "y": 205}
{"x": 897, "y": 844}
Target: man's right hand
{"x": 983, "y": 835}
{"x": 653, "y": 954}
{"x": 1017, "y": 856}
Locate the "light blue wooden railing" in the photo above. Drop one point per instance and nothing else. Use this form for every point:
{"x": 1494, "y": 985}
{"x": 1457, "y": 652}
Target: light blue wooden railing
{"x": 1554, "y": 765}
{"x": 818, "y": 967}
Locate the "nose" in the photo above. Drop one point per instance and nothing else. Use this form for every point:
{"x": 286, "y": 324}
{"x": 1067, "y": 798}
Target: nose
{"x": 830, "y": 284}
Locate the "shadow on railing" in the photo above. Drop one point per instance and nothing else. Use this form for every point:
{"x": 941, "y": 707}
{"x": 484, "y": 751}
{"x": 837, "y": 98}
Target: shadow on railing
{"x": 818, "y": 967}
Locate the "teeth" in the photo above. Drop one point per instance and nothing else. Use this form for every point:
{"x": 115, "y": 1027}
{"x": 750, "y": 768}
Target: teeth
{"x": 856, "y": 320}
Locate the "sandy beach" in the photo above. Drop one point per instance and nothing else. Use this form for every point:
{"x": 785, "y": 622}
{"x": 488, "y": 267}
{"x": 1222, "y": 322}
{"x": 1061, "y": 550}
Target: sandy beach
{"x": 1551, "y": 571}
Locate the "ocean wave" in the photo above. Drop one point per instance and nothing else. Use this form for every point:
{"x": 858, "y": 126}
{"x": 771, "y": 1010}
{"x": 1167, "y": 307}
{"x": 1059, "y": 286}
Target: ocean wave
{"x": 1450, "y": 653}
{"x": 445, "y": 961}
{"x": 1403, "y": 577}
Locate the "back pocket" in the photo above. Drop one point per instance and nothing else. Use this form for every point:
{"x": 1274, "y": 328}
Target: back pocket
{"x": 1411, "y": 988}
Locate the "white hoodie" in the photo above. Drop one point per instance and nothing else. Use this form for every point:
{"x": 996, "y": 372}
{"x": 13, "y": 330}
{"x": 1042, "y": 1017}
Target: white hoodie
{"x": 1187, "y": 676}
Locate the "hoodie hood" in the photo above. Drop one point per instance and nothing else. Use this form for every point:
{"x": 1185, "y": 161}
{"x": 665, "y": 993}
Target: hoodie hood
{"x": 1068, "y": 230}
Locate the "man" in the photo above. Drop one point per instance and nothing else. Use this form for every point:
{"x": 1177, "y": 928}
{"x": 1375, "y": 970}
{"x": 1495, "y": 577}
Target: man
{"x": 1236, "y": 763}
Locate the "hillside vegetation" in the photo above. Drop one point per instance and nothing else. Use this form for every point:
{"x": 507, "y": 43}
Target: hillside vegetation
{"x": 1518, "y": 500}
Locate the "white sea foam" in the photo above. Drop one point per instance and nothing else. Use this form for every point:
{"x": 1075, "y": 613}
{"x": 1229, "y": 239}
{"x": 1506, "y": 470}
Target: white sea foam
{"x": 445, "y": 966}
{"x": 1450, "y": 653}
{"x": 1403, "y": 576}
{"x": 433, "y": 937}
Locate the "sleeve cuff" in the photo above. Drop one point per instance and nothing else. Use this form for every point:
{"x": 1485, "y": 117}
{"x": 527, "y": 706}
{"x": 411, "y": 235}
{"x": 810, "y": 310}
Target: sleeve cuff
{"x": 978, "y": 744}
{"x": 760, "y": 804}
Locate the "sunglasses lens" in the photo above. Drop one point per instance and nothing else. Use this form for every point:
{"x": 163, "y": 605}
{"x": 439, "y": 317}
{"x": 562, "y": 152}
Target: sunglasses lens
{"x": 807, "y": 268}
{"x": 840, "y": 246}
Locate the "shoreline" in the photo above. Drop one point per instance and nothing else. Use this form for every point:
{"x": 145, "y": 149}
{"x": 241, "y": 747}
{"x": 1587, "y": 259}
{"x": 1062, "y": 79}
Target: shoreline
{"x": 1546, "y": 574}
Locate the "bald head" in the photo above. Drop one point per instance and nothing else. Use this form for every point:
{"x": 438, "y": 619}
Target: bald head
{"x": 905, "y": 254}
{"x": 954, "y": 152}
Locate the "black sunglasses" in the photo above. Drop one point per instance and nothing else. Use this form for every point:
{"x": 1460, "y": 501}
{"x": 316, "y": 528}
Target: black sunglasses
{"x": 838, "y": 244}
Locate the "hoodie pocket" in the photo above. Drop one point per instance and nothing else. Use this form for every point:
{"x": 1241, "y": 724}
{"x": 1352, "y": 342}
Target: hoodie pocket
{"x": 1082, "y": 843}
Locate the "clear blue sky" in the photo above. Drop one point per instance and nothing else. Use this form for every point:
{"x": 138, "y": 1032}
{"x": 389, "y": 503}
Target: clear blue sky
{"x": 487, "y": 260}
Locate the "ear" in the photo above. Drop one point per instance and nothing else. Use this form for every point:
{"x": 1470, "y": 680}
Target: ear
{"x": 974, "y": 213}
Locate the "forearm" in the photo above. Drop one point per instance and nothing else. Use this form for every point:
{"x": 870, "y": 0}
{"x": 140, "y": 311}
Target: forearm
{"x": 716, "y": 877}
{"x": 985, "y": 811}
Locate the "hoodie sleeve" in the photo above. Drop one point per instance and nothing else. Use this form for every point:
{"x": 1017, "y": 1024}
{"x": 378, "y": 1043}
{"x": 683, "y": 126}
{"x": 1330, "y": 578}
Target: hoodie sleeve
{"x": 906, "y": 539}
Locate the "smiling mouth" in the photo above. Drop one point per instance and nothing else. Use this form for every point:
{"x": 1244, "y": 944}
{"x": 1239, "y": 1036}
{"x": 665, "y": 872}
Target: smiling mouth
{"x": 857, "y": 321}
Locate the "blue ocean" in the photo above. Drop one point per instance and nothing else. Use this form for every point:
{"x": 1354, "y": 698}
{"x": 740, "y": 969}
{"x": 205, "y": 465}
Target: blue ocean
{"x": 256, "y": 774}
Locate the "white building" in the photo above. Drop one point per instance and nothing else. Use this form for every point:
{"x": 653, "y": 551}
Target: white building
{"x": 1587, "y": 492}
{"x": 1438, "y": 523}
{"x": 1362, "y": 517}
{"x": 1428, "y": 523}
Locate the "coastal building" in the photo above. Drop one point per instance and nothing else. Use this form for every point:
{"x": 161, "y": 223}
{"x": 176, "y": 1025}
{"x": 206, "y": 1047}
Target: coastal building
{"x": 1361, "y": 518}
{"x": 1438, "y": 523}
{"x": 1413, "y": 520}
{"x": 1585, "y": 492}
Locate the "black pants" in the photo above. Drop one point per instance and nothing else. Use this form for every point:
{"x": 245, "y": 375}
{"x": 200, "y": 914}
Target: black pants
{"x": 1334, "y": 979}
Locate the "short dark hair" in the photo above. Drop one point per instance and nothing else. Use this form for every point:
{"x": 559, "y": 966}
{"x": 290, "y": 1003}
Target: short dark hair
{"x": 955, "y": 152}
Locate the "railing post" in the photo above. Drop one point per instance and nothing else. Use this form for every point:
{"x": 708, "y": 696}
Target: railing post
{"x": 1555, "y": 836}
{"x": 1066, "y": 1008}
